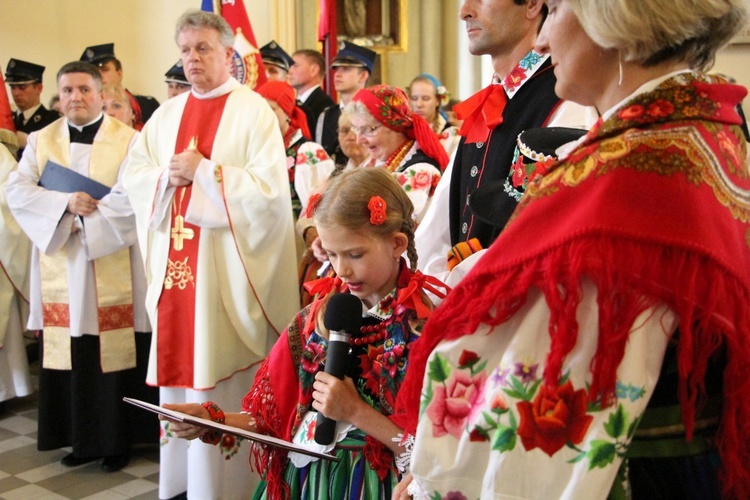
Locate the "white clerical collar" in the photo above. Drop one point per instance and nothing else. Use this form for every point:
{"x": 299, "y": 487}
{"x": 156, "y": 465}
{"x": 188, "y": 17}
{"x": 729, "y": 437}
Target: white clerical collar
{"x": 303, "y": 97}
{"x": 225, "y": 88}
{"x": 80, "y": 128}
{"x": 30, "y": 112}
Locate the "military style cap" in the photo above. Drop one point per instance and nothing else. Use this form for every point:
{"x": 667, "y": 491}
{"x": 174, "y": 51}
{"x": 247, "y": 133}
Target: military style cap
{"x": 20, "y": 72}
{"x": 273, "y": 54}
{"x": 176, "y": 74}
{"x": 354, "y": 56}
{"x": 99, "y": 54}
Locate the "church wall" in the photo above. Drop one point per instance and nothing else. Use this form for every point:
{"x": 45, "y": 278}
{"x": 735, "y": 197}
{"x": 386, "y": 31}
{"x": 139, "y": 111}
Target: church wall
{"x": 53, "y": 32}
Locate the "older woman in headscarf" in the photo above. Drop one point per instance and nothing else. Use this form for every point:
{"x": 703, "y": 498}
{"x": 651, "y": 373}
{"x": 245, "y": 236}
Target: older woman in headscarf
{"x": 608, "y": 324}
{"x": 399, "y": 141}
{"x": 308, "y": 163}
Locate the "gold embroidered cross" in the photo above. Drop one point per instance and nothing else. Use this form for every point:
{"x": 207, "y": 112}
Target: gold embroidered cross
{"x": 180, "y": 232}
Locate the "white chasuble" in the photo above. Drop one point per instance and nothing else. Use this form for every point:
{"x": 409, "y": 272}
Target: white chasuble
{"x": 245, "y": 274}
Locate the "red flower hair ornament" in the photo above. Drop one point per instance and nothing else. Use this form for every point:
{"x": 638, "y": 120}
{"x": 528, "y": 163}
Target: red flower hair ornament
{"x": 377, "y": 208}
{"x": 312, "y": 204}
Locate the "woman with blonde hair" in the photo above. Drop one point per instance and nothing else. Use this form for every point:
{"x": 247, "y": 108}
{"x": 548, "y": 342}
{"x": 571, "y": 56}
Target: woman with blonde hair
{"x": 116, "y": 104}
{"x": 601, "y": 343}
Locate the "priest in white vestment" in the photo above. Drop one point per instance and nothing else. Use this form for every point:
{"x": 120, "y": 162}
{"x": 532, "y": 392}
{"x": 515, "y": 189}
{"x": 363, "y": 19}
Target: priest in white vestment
{"x": 87, "y": 283}
{"x": 15, "y": 250}
{"x": 207, "y": 180}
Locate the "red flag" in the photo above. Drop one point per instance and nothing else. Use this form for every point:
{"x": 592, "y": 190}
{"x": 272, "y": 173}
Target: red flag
{"x": 7, "y": 128}
{"x": 327, "y": 35}
{"x": 247, "y": 65}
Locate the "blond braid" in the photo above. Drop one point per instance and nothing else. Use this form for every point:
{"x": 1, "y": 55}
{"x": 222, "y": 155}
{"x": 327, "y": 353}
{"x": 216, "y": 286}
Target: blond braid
{"x": 411, "y": 250}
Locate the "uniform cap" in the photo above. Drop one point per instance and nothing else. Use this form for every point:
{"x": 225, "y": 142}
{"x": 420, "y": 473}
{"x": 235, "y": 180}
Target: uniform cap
{"x": 176, "y": 74}
{"x": 351, "y": 55}
{"x": 20, "y": 72}
{"x": 99, "y": 54}
{"x": 273, "y": 54}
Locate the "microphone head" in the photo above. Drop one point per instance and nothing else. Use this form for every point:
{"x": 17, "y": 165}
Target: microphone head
{"x": 343, "y": 313}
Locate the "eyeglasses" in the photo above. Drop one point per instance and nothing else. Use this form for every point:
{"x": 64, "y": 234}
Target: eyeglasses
{"x": 366, "y": 131}
{"x": 345, "y": 130}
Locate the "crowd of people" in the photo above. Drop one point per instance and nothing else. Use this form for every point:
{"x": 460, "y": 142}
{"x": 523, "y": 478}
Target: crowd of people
{"x": 551, "y": 289}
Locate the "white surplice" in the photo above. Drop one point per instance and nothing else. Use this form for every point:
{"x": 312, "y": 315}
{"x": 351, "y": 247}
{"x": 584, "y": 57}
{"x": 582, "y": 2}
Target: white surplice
{"x": 15, "y": 250}
{"x": 44, "y": 218}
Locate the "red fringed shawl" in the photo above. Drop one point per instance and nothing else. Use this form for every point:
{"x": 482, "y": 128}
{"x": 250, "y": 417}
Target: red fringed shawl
{"x": 277, "y": 401}
{"x": 653, "y": 208}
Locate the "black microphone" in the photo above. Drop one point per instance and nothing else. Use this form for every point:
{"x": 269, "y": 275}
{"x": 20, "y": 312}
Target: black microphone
{"x": 343, "y": 317}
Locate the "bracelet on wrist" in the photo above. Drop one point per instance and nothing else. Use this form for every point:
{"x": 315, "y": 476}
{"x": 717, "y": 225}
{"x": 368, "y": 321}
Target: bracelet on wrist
{"x": 217, "y": 415}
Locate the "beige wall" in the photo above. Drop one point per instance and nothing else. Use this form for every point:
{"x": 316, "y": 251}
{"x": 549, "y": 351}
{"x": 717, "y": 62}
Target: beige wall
{"x": 53, "y": 32}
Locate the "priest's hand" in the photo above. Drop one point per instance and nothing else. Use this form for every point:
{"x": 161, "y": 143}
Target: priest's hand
{"x": 82, "y": 204}
{"x": 184, "y": 430}
{"x": 182, "y": 167}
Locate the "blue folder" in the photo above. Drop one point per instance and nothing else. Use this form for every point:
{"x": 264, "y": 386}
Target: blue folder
{"x": 58, "y": 178}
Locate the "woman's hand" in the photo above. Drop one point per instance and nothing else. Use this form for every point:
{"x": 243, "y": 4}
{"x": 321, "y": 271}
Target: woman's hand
{"x": 400, "y": 491}
{"x": 317, "y": 250}
{"x": 184, "y": 430}
{"x": 336, "y": 399}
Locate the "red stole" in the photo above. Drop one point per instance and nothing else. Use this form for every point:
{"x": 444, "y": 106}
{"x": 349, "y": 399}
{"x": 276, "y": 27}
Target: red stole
{"x": 176, "y": 308}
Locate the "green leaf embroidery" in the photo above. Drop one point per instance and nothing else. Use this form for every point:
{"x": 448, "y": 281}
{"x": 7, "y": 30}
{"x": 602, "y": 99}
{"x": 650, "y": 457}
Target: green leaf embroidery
{"x": 505, "y": 439}
{"x": 578, "y": 458}
{"x": 489, "y": 421}
{"x": 601, "y": 454}
{"x": 478, "y": 368}
{"x": 514, "y": 394}
{"x": 617, "y": 422}
{"x": 426, "y": 400}
{"x": 518, "y": 387}
{"x": 533, "y": 388}
{"x": 440, "y": 369}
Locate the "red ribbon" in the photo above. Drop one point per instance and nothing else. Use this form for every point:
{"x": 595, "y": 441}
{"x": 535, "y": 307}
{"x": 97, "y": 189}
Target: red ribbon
{"x": 320, "y": 289}
{"x": 411, "y": 294}
{"x": 481, "y": 113}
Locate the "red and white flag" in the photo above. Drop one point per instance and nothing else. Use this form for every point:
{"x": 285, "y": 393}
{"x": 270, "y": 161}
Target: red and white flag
{"x": 327, "y": 35}
{"x": 247, "y": 65}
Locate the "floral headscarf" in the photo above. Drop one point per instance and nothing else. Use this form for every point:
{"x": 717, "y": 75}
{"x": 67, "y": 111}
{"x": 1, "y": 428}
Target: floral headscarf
{"x": 284, "y": 95}
{"x": 390, "y": 106}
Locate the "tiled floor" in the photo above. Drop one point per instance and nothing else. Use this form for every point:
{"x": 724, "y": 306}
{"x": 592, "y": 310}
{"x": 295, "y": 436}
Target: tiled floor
{"x": 26, "y": 473}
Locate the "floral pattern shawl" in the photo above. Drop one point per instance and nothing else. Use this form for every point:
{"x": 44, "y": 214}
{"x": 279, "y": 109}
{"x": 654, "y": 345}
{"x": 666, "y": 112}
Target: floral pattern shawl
{"x": 652, "y": 210}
